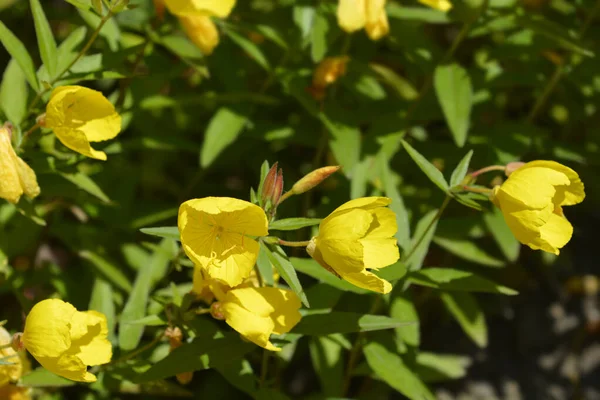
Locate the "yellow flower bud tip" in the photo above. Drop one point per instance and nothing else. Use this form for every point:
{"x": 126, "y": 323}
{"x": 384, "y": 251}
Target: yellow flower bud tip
{"x": 442, "y": 5}
{"x": 16, "y": 177}
{"x": 215, "y": 8}
{"x": 329, "y": 71}
{"x": 217, "y": 234}
{"x": 201, "y": 31}
{"x": 66, "y": 341}
{"x": 356, "y": 237}
{"x": 512, "y": 167}
{"x": 256, "y": 313}
{"x": 531, "y": 200}
{"x": 79, "y": 116}
{"x": 314, "y": 178}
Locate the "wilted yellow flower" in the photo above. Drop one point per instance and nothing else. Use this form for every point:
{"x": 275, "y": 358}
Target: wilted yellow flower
{"x": 78, "y": 116}
{"x": 216, "y": 234}
{"x": 16, "y": 177}
{"x": 201, "y": 31}
{"x": 531, "y": 201}
{"x": 65, "y": 341}
{"x": 442, "y": 5}
{"x": 369, "y": 14}
{"x": 256, "y": 313}
{"x": 355, "y": 237}
{"x": 217, "y": 8}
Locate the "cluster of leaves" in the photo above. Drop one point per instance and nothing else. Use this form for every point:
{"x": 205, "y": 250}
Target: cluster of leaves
{"x": 512, "y": 80}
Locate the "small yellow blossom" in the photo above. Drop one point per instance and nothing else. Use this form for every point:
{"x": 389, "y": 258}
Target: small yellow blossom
{"x": 355, "y": 237}
{"x": 354, "y": 15}
{"x": 16, "y": 177}
{"x": 78, "y": 116}
{"x": 442, "y": 5}
{"x": 217, "y": 8}
{"x": 65, "y": 341}
{"x": 216, "y": 234}
{"x": 256, "y": 313}
{"x": 201, "y": 31}
{"x": 531, "y": 201}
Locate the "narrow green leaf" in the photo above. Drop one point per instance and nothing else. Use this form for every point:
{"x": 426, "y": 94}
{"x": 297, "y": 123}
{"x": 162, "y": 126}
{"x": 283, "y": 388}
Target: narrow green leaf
{"x": 285, "y": 268}
{"x": 427, "y": 222}
{"x": 509, "y": 245}
{"x": 110, "y": 31}
{"x": 135, "y": 308}
{"x": 264, "y": 265}
{"x": 455, "y": 279}
{"x": 326, "y": 356}
{"x": 392, "y": 370}
{"x": 312, "y": 268}
{"x": 401, "y": 85}
{"x": 80, "y": 4}
{"x": 250, "y": 48}
{"x": 464, "y": 308}
{"x": 13, "y": 93}
{"x": 428, "y": 168}
{"x": 469, "y": 251}
{"x": 318, "y": 36}
{"x": 18, "y": 51}
{"x": 290, "y": 224}
{"x": 149, "y": 320}
{"x": 86, "y": 183}
{"x": 223, "y": 129}
{"x": 45, "y": 38}
{"x": 345, "y": 322}
{"x": 41, "y": 377}
{"x": 66, "y": 50}
{"x": 461, "y": 169}
{"x": 403, "y": 308}
{"x": 169, "y": 232}
{"x": 441, "y": 367}
{"x": 102, "y": 301}
{"x": 455, "y": 94}
{"x": 107, "y": 270}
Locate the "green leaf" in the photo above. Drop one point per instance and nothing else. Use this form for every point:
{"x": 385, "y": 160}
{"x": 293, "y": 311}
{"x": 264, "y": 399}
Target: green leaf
{"x": 326, "y": 356}
{"x": 345, "y": 322}
{"x": 400, "y": 85}
{"x": 553, "y": 31}
{"x": 455, "y": 279}
{"x": 110, "y": 31}
{"x": 169, "y": 232}
{"x": 198, "y": 355}
{"x": 461, "y": 169}
{"x": 250, "y": 48}
{"x": 149, "y": 320}
{"x": 441, "y": 367}
{"x": 428, "y": 168}
{"x": 509, "y": 245}
{"x": 455, "y": 94}
{"x": 464, "y": 308}
{"x": 418, "y": 256}
{"x": 41, "y": 377}
{"x": 107, "y": 270}
{"x": 469, "y": 251}
{"x": 402, "y": 308}
{"x": 392, "y": 370}
{"x": 45, "y": 38}
{"x": 135, "y": 308}
{"x": 264, "y": 265}
{"x": 13, "y": 93}
{"x": 318, "y": 36}
{"x": 291, "y": 224}
{"x": 223, "y": 129}
{"x": 102, "y": 301}
{"x": 86, "y": 183}
{"x": 286, "y": 270}
{"x": 345, "y": 143}
{"x": 312, "y": 268}
{"x": 18, "y": 51}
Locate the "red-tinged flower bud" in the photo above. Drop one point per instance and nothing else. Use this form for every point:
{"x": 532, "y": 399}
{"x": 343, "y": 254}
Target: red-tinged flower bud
{"x": 269, "y": 184}
{"x": 278, "y": 190}
{"x": 512, "y": 167}
{"x": 216, "y": 311}
{"x": 312, "y": 179}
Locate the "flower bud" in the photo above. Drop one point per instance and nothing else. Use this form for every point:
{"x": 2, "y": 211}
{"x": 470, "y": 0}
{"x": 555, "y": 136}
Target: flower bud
{"x": 278, "y": 191}
{"x": 17, "y": 342}
{"x": 312, "y": 179}
{"x": 268, "y": 187}
{"x": 176, "y": 340}
{"x": 216, "y": 310}
{"x": 201, "y": 31}
{"x": 512, "y": 167}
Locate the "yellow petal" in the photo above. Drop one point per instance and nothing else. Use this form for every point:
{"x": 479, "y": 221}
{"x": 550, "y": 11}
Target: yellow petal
{"x": 89, "y": 332}
{"x": 351, "y": 15}
{"x": 27, "y": 179}
{"x": 16, "y": 177}
{"x": 368, "y": 280}
{"x": 442, "y": 5}
{"x": 348, "y": 225}
{"x": 253, "y": 327}
{"x": 571, "y": 194}
{"x": 12, "y": 392}
{"x": 79, "y": 115}
{"x": 68, "y": 366}
{"x": 9, "y": 373}
{"x": 534, "y": 187}
{"x": 379, "y": 253}
{"x": 201, "y": 31}
{"x": 377, "y": 24}
{"x": 47, "y": 332}
{"x": 218, "y": 8}
{"x": 366, "y": 203}
{"x": 555, "y": 234}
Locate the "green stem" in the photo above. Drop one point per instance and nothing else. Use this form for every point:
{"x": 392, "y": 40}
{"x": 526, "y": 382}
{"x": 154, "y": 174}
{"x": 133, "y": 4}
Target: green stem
{"x": 29, "y": 132}
{"x": 136, "y": 352}
{"x": 488, "y": 169}
{"x": 264, "y": 368}
{"x": 422, "y": 237}
{"x": 285, "y": 196}
{"x": 476, "y": 190}
{"x": 294, "y": 244}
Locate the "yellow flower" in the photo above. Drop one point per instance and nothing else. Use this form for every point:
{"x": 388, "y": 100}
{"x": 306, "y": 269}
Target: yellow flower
{"x": 369, "y": 14}
{"x": 9, "y": 373}
{"x": 16, "y": 177}
{"x": 201, "y": 31}
{"x": 355, "y": 237}
{"x": 256, "y": 313}
{"x": 531, "y": 201}
{"x": 216, "y": 234}
{"x": 217, "y": 8}
{"x": 65, "y": 341}
{"x": 78, "y": 116}
{"x": 442, "y": 5}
